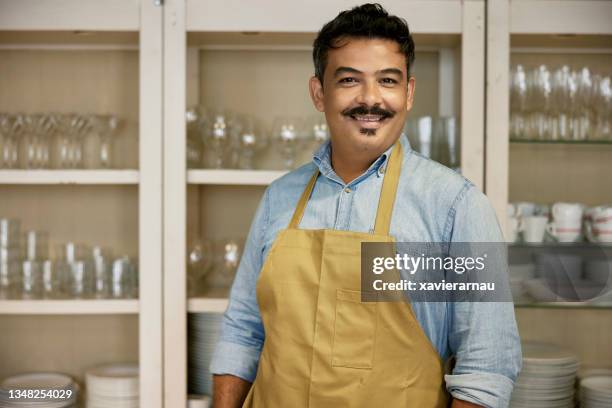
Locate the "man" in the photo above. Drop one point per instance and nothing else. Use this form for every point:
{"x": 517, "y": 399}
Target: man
{"x": 295, "y": 333}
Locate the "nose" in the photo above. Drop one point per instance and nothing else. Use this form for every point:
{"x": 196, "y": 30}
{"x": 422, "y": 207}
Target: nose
{"x": 369, "y": 94}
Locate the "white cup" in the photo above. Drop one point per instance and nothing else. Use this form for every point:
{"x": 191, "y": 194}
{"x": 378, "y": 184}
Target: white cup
{"x": 598, "y": 224}
{"x": 564, "y": 231}
{"x": 533, "y": 228}
{"x": 567, "y": 212}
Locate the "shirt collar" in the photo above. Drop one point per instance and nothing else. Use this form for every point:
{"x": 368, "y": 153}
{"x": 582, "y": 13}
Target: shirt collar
{"x": 322, "y": 159}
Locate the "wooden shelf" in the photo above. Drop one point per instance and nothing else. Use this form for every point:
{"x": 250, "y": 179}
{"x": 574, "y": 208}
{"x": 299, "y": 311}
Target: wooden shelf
{"x": 426, "y": 16}
{"x": 560, "y": 17}
{"x": 234, "y": 177}
{"x": 69, "y": 307}
{"x": 201, "y": 305}
{"x": 69, "y": 177}
{"x": 90, "y": 15}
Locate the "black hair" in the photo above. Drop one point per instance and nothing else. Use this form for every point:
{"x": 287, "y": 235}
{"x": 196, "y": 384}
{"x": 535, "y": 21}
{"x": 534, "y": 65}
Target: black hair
{"x": 369, "y": 20}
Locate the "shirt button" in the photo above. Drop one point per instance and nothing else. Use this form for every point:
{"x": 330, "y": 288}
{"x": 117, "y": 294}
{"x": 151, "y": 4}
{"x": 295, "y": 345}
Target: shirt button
{"x": 381, "y": 170}
{"x": 347, "y": 190}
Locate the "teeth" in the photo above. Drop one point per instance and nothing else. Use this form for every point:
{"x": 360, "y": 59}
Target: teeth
{"x": 368, "y": 118}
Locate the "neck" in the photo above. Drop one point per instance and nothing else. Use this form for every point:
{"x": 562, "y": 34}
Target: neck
{"x": 349, "y": 165}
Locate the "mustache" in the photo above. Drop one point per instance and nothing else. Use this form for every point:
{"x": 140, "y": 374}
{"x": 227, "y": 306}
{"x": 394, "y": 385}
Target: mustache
{"x": 366, "y": 110}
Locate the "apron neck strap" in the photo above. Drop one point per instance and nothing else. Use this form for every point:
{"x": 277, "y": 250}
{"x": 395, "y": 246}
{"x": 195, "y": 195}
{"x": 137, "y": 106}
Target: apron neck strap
{"x": 385, "y": 203}
{"x": 301, "y": 205}
{"x": 389, "y": 188}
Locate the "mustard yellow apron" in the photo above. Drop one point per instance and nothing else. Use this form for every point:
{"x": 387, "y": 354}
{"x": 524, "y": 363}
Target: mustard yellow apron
{"x": 323, "y": 346}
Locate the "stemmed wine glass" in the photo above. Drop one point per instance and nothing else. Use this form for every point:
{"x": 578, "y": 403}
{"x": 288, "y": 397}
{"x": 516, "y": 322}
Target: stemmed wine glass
{"x": 200, "y": 262}
{"x": 602, "y": 101}
{"x": 286, "y": 134}
{"x": 250, "y": 140}
{"x": 10, "y": 145}
{"x": 317, "y": 131}
{"x": 216, "y": 138}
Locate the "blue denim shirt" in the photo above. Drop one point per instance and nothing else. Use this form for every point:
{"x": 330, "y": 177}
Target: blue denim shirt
{"x": 433, "y": 204}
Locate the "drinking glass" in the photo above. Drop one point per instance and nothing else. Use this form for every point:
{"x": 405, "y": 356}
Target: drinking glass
{"x": 31, "y": 280}
{"x": 317, "y": 131}
{"x": 199, "y": 264}
{"x": 9, "y": 275}
{"x": 36, "y": 245}
{"x": 102, "y": 276}
{"x": 80, "y": 279}
{"x": 107, "y": 137}
{"x": 216, "y": 139}
{"x": 561, "y": 85}
{"x": 602, "y": 101}
{"x": 250, "y": 140}
{"x": 288, "y": 136}
{"x": 9, "y": 233}
{"x": 584, "y": 103}
{"x": 123, "y": 279}
{"x": 518, "y": 102}
{"x": 80, "y": 127}
{"x": 52, "y": 279}
{"x": 13, "y": 127}
{"x": 44, "y": 126}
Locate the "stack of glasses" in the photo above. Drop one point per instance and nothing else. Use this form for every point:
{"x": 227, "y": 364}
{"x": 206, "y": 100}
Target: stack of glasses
{"x": 59, "y": 141}
{"x": 76, "y": 273}
{"x": 560, "y": 104}
{"x": 41, "y": 390}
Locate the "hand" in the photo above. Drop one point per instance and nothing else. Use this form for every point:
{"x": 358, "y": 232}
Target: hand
{"x": 457, "y": 403}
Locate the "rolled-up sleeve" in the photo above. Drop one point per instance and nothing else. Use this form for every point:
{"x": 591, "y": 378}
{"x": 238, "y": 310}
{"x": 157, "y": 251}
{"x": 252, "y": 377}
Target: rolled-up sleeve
{"x": 242, "y": 333}
{"x": 483, "y": 336}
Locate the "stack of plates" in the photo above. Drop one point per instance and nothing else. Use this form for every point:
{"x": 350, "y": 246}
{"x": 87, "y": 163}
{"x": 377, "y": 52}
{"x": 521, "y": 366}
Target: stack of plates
{"x": 113, "y": 386}
{"x": 63, "y": 384}
{"x": 203, "y": 336}
{"x": 547, "y": 378}
{"x": 596, "y": 391}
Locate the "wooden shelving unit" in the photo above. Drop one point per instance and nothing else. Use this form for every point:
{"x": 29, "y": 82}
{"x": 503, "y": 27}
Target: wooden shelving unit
{"x": 88, "y": 56}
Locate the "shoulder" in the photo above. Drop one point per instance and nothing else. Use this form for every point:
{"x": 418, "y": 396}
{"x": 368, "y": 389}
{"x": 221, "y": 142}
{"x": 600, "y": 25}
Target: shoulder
{"x": 433, "y": 181}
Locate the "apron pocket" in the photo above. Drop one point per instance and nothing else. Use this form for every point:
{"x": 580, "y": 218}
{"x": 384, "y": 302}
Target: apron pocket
{"x": 354, "y": 330}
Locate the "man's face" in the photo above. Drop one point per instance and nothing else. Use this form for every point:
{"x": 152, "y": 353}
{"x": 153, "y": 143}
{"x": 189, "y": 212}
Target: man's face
{"x": 366, "y": 94}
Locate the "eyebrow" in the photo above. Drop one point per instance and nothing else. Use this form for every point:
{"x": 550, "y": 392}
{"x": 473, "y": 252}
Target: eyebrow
{"x": 394, "y": 71}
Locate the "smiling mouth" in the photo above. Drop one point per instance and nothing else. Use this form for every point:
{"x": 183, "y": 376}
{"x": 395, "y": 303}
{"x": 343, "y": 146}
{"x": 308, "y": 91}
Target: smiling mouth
{"x": 369, "y": 121}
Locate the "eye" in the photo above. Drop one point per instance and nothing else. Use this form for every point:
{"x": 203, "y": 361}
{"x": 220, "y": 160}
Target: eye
{"x": 347, "y": 80}
{"x": 388, "y": 81}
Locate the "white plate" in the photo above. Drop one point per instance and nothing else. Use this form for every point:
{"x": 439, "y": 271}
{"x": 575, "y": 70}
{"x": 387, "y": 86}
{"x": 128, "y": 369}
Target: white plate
{"x": 37, "y": 381}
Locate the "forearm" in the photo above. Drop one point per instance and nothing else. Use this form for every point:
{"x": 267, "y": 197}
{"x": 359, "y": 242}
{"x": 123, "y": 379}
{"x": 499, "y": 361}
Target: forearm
{"x": 229, "y": 391}
{"x": 457, "y": 403}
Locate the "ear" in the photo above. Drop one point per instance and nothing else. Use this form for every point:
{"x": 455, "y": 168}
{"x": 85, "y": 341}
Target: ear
{"x": 410, "y": 91}
{"x": 316, "y": 93}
